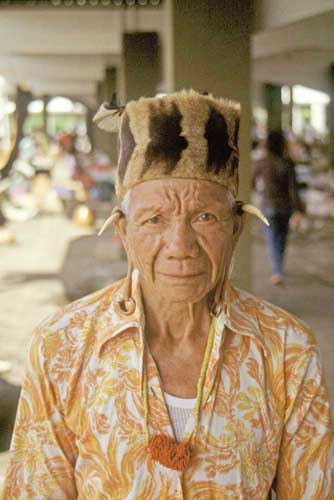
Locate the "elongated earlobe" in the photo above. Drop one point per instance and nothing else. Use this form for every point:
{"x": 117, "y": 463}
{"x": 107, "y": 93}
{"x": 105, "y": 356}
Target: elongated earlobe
{"x": 127, "y": 304}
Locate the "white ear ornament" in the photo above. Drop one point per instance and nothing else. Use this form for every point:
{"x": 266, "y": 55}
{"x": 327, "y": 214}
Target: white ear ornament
{"x": 250, "y": 209}
{"x": 108, "y": 119}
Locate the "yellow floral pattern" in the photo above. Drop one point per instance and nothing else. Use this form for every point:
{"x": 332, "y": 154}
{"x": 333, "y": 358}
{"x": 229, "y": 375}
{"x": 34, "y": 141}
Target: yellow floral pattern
{"x": 80, "y": 430}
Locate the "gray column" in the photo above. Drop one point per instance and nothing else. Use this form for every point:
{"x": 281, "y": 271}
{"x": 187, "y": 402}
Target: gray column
{"x": 46, "y": 100}
{"x": 141, "y": 65}
{"x": 274, "y": 106}
{"x": 101, "y": 140}
{"x": 331, "y": 120}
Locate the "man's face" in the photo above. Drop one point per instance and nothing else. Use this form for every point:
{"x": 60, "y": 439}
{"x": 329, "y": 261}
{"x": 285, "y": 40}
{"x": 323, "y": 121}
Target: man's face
{"x": 179, "y": 235}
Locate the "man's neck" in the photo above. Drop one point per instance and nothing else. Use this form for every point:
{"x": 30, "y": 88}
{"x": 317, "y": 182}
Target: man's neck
{"x": 175, "y": 321}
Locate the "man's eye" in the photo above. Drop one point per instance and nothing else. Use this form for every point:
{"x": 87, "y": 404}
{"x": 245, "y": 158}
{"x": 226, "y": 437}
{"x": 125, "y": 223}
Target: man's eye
{"x": 153, "y": 220}
{"x": 206, "y": 217}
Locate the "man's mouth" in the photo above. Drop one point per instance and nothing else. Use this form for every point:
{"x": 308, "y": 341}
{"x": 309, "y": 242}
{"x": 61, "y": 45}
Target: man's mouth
{"x": 181, "y": 276}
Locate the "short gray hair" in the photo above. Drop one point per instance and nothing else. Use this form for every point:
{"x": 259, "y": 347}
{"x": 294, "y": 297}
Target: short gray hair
{"x": 125, "y": 203}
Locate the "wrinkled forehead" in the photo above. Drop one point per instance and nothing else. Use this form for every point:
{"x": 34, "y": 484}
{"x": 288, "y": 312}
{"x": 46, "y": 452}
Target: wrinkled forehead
{"x": 183, "y": 194}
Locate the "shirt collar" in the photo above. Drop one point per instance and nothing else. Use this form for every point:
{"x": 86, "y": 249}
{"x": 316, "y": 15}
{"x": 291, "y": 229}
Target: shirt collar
{"x": 239, "y": 315}
{"x": 113, "y": 321}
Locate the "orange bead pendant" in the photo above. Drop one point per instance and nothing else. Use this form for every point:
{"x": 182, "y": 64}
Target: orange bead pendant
{"x": 169, "y": 452}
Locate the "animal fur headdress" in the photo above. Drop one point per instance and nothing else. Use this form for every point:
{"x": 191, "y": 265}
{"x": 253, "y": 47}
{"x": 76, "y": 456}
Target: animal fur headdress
{"x": 184, "y": 135}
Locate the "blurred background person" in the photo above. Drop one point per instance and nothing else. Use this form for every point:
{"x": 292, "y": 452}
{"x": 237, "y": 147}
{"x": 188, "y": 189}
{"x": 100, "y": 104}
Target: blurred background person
{"x": 275, "y": 181}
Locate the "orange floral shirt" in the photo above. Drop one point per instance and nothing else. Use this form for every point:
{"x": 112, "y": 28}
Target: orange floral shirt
{"x": 80, "y": 430}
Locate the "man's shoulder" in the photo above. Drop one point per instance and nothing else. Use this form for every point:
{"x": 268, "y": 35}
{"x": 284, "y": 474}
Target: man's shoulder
{"x": 78, "y": 318}
{"x": 271, "y": 321}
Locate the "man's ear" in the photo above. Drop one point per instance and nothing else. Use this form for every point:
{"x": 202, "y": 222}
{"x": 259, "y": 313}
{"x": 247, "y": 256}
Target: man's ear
{"x": 239, "y": 222}
{"x": 120, "y": 226}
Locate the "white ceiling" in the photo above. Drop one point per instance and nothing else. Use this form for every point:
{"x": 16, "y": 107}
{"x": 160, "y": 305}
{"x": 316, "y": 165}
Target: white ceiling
{"x": 298, "y": 53}
{"x": 66, "y": 51}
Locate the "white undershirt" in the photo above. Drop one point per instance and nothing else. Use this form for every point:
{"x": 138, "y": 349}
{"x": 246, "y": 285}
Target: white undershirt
{"x": 180, "y": 410}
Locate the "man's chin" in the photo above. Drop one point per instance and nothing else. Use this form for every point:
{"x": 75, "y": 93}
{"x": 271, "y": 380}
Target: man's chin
{"x": 177, "y": 289}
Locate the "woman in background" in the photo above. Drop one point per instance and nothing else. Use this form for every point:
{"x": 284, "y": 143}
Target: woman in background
{"x": 275, "y": 181}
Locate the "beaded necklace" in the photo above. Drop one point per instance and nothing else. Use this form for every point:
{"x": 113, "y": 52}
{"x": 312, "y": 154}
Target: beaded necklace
{"x": 164, "y": 449}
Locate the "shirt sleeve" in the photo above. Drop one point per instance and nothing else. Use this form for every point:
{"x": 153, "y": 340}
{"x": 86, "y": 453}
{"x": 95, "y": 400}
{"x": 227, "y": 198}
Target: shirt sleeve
{"x": 306, "y": 464}
{"x": 43, "y": 451}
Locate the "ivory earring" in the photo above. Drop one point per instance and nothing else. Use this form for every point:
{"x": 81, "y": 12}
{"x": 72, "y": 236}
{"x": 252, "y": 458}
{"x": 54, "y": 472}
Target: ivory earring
{"x": 127, "y": 305}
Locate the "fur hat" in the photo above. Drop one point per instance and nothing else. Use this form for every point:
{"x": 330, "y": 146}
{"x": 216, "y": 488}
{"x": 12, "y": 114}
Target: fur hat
{"x": 184, "y": 135}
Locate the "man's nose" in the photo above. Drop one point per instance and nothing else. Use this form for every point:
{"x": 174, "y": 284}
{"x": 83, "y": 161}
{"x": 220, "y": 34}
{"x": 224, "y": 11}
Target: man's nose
{"x": 182, "y": 242}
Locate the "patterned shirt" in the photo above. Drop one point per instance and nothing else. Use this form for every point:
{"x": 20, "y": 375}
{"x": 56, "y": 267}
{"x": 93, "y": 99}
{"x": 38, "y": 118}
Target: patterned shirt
{"x": 80, "y": 430}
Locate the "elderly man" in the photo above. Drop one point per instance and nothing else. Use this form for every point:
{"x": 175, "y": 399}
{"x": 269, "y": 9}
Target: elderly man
{"x": 171, "y": 384}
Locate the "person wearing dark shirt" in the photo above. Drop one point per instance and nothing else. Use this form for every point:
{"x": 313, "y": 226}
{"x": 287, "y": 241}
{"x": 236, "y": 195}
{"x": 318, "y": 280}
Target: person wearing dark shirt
{"x": 274, "y": 179}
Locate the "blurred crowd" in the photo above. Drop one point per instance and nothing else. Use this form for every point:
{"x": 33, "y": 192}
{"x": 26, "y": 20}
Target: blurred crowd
{"x": 54, "y": 175}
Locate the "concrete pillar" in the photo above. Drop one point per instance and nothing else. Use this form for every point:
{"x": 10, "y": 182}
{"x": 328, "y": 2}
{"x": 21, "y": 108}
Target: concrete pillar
{"x": 210, "y": 51}
{"x": 141, "y": 65}
{"x": 274, "y": 106}
{"x": 331, "y": 120}
{"x": 46, "y": 100}
{"x": 291, "y": 108}
{"x": 287, "y": 109}
{"x": 101, "y": 140}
